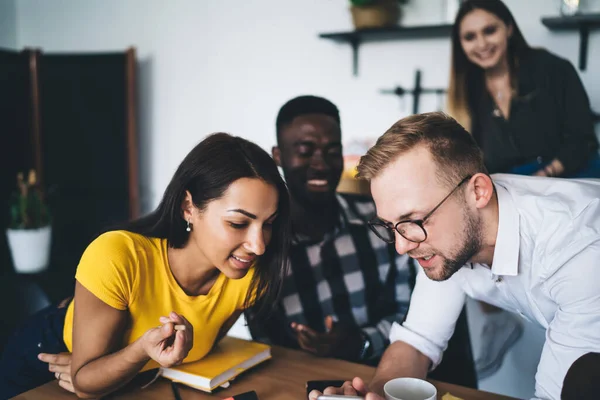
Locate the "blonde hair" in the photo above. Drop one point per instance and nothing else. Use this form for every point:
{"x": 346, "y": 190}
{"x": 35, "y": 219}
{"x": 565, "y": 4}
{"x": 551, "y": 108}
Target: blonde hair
{"x": 452, "y": 148}
{"x": 457, "y": 103}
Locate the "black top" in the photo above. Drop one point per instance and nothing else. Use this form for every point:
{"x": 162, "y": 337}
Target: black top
{"x": 550, "y": 117}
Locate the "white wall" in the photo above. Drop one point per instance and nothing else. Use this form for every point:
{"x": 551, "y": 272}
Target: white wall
{"x": 229, "y": 65}
{"x": 8, "y": 24}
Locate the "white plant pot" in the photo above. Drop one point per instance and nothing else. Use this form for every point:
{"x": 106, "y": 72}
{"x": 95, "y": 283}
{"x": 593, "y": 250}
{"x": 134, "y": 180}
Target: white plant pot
{"x": 30, "y": 249}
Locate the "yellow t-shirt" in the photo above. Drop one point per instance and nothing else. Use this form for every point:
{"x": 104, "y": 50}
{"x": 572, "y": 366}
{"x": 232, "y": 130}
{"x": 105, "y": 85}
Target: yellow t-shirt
{"x": 131, "y": 272}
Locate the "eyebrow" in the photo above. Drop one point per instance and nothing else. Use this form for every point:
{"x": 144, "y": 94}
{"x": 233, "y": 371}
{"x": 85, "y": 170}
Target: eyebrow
{"x": 248, "y": 214}
{"x": 403, "y": 217}
{"x": 406, "y": 216}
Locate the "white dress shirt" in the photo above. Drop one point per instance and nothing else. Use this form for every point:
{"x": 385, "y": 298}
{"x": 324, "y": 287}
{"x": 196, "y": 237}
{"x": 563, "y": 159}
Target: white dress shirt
{"x": 546, "y": 267}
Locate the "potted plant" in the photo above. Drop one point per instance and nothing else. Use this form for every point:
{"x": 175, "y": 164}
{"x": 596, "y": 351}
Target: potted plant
{"x": 29, "y": 232}
{"x": 375, "y": 13}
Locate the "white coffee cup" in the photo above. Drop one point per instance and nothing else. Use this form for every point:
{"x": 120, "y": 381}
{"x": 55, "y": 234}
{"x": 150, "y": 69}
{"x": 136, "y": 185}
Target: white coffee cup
{"x": 409, "y": 389}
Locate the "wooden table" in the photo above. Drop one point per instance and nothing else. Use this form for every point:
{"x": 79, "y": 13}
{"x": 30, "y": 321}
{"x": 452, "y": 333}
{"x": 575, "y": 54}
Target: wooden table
{"x": 281, "y": 378}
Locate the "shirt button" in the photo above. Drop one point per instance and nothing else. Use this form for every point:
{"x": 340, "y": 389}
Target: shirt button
{"x": 39, "y": 345}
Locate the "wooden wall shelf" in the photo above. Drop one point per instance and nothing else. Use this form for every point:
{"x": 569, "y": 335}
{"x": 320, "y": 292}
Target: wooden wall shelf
{"x": 583, "y": 23}
{"x": 357, "y": 37}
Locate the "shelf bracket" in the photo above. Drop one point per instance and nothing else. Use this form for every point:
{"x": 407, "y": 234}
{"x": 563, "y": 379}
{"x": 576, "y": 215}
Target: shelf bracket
{"x": 584, "y": 34}
{"x": 355, "y": 44}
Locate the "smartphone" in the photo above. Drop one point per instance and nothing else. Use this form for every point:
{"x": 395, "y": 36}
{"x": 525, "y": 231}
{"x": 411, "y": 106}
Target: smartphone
{"x": 338, "y": 397}
{"x": 244, "y": 396}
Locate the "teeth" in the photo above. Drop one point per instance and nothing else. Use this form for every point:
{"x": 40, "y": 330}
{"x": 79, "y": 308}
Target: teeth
{"x": 241, "y": 259}
{"x": 317, "y": 182}
{"x": 427, "y": 258}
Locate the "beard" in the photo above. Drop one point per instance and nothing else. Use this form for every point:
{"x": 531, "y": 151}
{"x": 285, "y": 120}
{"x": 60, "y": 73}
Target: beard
{"x": 471, "y": 237}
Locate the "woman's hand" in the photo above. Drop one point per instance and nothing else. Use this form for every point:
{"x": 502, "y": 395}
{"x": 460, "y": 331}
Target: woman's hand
{"x": 171, "y": 342}
{"x": 553, "y": 169}
{"x": 60, "y": 364}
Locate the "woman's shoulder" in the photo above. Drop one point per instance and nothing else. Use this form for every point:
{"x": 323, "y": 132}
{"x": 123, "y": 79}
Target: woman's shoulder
{"x": 541, "y": 59}
{"x": 123, "y": 241}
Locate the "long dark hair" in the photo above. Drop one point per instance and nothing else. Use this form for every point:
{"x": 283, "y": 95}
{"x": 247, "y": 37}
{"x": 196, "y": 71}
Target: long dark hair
{"x": 463, "y": 73}
{"x": 206, "y": 172}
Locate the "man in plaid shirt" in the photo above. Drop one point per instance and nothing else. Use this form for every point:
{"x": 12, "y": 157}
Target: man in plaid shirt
{"x": 345, "y": 287}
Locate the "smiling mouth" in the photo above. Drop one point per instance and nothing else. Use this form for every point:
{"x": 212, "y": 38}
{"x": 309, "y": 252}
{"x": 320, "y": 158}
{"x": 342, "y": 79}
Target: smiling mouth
{"x": 318, "y": 182}
{"x": 426, "y": 258}
{"x": 484, "y": 55}
{"x": 243, "y": 260}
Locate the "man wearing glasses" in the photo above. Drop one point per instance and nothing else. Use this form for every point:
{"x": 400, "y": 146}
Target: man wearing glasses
{"x": 345, "y": 287}
{"x": 525, "y": 244}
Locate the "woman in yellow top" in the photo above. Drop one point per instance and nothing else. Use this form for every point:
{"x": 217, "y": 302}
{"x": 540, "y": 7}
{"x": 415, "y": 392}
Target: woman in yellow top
{"x": 166, "y": 287}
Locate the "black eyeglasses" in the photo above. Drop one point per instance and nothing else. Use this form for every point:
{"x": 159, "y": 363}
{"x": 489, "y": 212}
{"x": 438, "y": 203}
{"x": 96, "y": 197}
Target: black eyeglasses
{"x": 411, "y": 230}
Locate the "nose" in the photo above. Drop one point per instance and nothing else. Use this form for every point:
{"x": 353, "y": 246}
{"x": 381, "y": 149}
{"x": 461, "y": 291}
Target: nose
{"x": 403, "y": 246}
{"x": 256, "y": 242}
{"x": 317, "y": 161}
{"x": 480, "y": 42}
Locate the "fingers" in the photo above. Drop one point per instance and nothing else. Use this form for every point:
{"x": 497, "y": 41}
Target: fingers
{"x": 65, "y": 381}
{"x": 373, "y": 396}
{"x": 59, "y": 369}
{"x": 67, "y": 385}
{"x": 166, "y": 330}
{"x": 65, "y": 377}
{"x": 58, "y": 363}
{"x": 328, "y": 323}
{"x": 306, "y": 344}
{"x": 344, "y": 389}
{"x": 180, "y": 350}
{"x": 349, "y": 389}
{"x": 60, "y": 359}
{"x": 359, "y": 385}
{"x": 314, "y": 394}
{"x": 181, "y": 324}
{"x": 305, "y": 330}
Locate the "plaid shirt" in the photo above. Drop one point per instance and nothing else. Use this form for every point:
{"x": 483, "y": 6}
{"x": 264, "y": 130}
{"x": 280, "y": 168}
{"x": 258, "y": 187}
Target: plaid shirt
{"x": 350, "y": 274}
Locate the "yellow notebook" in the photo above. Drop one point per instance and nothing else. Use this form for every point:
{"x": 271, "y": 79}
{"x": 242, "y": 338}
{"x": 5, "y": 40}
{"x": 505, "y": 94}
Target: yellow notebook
{"x": 231, "y": 357}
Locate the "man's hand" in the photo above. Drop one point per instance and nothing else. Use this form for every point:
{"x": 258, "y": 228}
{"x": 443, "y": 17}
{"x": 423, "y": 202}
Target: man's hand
{"x": 355, "y": 388}
{"x": 60, "y": 364}
{"x": 338, "y": 341}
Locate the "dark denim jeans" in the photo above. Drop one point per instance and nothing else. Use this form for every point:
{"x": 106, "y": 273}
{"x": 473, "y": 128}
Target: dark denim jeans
{"x": 20, "y": 369}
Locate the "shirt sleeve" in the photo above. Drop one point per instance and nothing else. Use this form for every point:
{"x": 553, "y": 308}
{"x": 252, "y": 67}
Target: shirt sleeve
{"x": 577, "y": 128}
{"x": 107, "y": 268}
{"x": 434, "y": 309}
{"x": 574, "y": 330}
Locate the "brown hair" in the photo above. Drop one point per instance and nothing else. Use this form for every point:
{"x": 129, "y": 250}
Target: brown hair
{"x": 463, "y": 73}
{"x": 207, "y": 172}
{"x": 452, "y": 148}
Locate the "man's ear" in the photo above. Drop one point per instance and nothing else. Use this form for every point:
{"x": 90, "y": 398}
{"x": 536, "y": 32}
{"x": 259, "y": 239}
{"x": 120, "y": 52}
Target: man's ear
{"x": 187, "y": 205}
{"x": 276, "y": 154}
{"x": 483, "y": 189}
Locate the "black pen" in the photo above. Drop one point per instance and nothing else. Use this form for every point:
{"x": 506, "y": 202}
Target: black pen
{"x": 175, "y": 391}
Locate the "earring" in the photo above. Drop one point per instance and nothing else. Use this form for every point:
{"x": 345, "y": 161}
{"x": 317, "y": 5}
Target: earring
{"x": 189, "y": 229}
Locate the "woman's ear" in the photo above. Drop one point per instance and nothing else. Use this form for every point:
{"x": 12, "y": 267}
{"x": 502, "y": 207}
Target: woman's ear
{"x": 187, "y": 206}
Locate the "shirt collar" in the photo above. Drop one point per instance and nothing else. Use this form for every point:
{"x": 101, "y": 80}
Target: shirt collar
{"x": 346, "y": 217}
{"x": 506, "y": 251}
